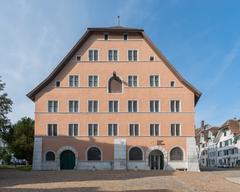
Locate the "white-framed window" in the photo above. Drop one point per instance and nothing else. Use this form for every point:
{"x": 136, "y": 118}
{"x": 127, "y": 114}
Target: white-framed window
{"x": 132, "y": 106}
{"x": 73, "y": 80}
{"x": 175, "y": 129}
{"x": 132, "y": 55}
{"x": 113, "y": 55}
{"x": 92, "y": 106}
{"x": 52, "y": 106}
{"x": 175, "y": 105}
{"x": 154, "y": 81}
{"x": 113, "y": 106}
{"x": 73, "y": 106}
{"x": 172, "y": 83}
{"x": 92, "y": 80}
{"x": 132, "y": 81}
{"x": 125, "y": 37}
{"x": 93, "y": 129}
{"x": 78, "y": 57}
{"x": 151, "y": 58}
{"x": 154, "y": 106}
{"x": 93, "y": 55}
{"x": 134, "y": 129}
{"x": 154, "y": 129}
{"x": 52, "y": 129}
{"x": 112, "y": 129}
{"x": 57, "y": 84}
{"x": 73, "y": 129}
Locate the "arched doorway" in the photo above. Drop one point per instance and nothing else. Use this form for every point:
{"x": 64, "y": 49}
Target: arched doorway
{"x": 156, "y": 160}
{"x": 67, "y": 160}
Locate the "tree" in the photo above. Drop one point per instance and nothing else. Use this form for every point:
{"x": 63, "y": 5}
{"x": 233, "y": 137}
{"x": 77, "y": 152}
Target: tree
{"x": 5, "y": 108}
{"x": 21, "y": 143}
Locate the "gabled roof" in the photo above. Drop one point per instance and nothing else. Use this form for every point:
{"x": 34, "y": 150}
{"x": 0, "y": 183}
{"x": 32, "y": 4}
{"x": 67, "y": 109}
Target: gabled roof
{"x": 122, "y": 29}
{"x": 233, "y": 125}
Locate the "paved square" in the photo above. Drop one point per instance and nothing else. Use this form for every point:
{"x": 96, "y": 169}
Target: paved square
{"x": 13, "y": 180}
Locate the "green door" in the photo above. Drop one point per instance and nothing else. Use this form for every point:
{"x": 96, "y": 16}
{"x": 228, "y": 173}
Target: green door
{"x": 67, "y": 160}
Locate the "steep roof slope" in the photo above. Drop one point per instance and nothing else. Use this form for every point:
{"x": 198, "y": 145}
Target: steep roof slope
{"x": 83, "y": 39}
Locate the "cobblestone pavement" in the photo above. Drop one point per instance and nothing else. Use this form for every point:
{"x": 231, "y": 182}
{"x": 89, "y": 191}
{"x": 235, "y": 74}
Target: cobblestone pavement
{"x": 131, "y": 181}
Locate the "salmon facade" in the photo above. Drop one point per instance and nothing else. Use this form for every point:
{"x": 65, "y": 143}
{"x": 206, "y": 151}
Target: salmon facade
{"x": 115, "y": 102}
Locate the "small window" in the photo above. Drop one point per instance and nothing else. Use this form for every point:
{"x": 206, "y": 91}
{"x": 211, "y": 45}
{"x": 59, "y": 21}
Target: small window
{"x": 132, "y": 106}
{"x": 151, "y": 58}
{"x": 132, "y": 81}
{"x": 133, "y": 129}
{"x": 154, "y": 81}
{"x": 78, "y": 58}
{"x": 92, "y": 106}
{"x": 92, "y": 129}
{"x": 52, "y": 106}
{"x": 93, "y": 81}
{"x": 175, "y": 129}
{"x": 73, "y": 80}
{"x": 154, "y": 129}
{"x": 112, "y": 129}
{"x": 57, "y": 83}
{"x": 175, "y": 105}
{"x": 52, "y": 129}
{"x": 73, "y": 129}
{"x": 125, "y": 37}
{"x": 154, "y": 106}
{"x": 105, "y": 36}
{"x": 94, "y": 154}
{"x": 73, "y": 106}
{"x": 113, "y": 106}
{"x": 172, "y": 83}
{"x": 50, "y": 156}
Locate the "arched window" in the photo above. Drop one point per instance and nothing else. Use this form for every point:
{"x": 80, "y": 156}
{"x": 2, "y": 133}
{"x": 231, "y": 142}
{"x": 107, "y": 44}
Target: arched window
{"x": 135, "y": 154}
{"x": 94, "y": 154}
{"x": 115, "y": 84}
{"x": 176, "y": 154}
{"x": 50, "y": 156}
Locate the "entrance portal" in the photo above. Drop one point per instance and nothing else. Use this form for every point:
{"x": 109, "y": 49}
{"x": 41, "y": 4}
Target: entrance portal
{"x": 156, "y": 160}
{"x": 67, "y": 160}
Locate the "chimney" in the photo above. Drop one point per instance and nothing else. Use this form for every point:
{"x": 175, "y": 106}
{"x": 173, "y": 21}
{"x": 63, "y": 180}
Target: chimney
{"x": 202, "y": 125}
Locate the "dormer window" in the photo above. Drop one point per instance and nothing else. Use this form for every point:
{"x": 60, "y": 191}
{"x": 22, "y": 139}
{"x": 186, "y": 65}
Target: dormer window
{"x": 125, "y": 37}
{"x": 151, "y": 58}
{"x": 105, "y": 36}
{"x": 78, "y": 58}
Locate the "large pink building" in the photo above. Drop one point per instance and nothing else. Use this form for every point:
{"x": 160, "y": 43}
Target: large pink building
{"x": 114, "y": 102}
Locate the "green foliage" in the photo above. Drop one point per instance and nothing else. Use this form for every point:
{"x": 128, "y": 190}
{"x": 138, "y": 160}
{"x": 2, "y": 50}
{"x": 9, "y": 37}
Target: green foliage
{"x": 21, "y": 142}
{"x": 5, "y": 108}
{"x": 5, "y": 155}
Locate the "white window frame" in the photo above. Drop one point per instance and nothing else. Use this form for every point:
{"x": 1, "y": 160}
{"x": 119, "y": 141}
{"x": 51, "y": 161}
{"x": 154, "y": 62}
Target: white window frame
{"x": 132, "y": 80}
{"x": 132, "y": 106}
{"x": 93, "y": 132}
{"x": 159, "y": 106}
{"x": 113, "y": 55}
{"x": 73, "y": 106}
{"x": 73, "y": 81}
{"x": 159, "y": 80}
{"x": 93, "y": 55}
{"x": 112, "y": 129}
{"x": 93, "y": 105}
{"x": 159, "y": 131}
{"x": 133, "y": 55}
{"x": 53, "y": 106}
{"x": 73, "y": 129}
{"x": 180, "y": 106}
{"x": 97, "y": 80}
{"x": 180, "y": 130}
{"x": 113, "y": 108}
{"x": 52, "y": 123}
{"x": 134, "y": 135}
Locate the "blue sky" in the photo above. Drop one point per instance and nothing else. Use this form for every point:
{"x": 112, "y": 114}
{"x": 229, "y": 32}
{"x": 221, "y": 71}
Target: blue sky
{"x": 200, "y": 38}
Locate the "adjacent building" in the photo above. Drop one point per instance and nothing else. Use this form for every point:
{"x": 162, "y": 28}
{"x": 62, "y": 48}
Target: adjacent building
{"x": 115, "y": 102}
{"x": 219, "y": 146}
